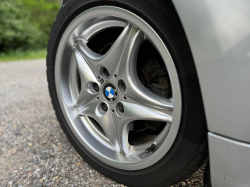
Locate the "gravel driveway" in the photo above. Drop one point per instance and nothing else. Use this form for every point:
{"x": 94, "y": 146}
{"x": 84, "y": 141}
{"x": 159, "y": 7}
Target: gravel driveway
{"x": 34, "y": 151}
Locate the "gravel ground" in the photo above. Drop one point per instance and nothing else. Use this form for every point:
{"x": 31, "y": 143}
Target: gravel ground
{"x": 34, "y": 151}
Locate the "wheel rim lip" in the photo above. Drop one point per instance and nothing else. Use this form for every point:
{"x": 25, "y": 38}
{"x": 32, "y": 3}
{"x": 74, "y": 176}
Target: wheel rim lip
{"x": 156, "y": 40}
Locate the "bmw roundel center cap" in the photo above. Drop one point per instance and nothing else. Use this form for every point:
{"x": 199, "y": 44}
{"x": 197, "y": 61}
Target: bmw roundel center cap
{"x": 110, "y": 92}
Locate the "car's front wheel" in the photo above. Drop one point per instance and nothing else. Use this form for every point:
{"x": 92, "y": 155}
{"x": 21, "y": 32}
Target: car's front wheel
{"x": 125, "y": 90}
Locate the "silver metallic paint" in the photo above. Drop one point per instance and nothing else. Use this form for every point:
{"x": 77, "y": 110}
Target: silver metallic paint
{"x": 229, "y": 162}
{"x": 218, "y": 32}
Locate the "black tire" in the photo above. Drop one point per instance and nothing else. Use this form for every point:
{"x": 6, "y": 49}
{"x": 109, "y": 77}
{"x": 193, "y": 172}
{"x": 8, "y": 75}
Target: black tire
{"x": 190, "y": 147}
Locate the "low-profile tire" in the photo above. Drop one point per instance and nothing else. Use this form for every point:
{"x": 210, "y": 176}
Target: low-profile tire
{"x": 186, "y": 148}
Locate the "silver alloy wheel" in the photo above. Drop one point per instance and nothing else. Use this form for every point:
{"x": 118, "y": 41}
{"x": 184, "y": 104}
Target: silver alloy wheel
{"x": 73, "y": 56}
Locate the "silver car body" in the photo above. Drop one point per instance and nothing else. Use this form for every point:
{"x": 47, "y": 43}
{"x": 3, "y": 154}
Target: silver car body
{"x": 218, "y": 33}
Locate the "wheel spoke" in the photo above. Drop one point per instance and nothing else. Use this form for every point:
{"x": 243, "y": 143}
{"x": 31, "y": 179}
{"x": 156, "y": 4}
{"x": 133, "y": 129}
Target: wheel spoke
{"x": 129, "y": 57}
{"x": 87, "y": 79}
{"x": 137, "y": 92}
{"x": 123, "y": 131}
{"x": 112, "y": 59}
{"x": 133, "y": 112}
{"x": 73, "y": 78}
{"x": 105, "y": 119}
{"x": 128, "y": 74}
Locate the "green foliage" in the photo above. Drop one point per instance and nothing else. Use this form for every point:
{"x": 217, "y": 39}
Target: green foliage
{"x": 43, "y": 13}
{"x": 16, "y": 31}
{"x": 23, "y": 55}
{"x": 26, "y": 24}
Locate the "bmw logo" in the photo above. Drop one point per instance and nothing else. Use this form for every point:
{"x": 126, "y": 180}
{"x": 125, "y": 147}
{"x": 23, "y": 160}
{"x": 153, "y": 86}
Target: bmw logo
{"x": 110, "y": 92}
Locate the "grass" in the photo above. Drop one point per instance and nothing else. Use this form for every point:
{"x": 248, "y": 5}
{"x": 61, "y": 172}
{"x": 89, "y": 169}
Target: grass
{"x": 23, "y": 55}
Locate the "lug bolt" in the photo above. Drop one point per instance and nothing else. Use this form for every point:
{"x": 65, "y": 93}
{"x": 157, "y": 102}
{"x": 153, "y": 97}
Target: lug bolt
{"x": 104, "y": 107}
{"x": 96, "y": 87}
{"x": 121, "y": 108}
{"x": 105, "y": 71}
{"x": 122, "y": 86}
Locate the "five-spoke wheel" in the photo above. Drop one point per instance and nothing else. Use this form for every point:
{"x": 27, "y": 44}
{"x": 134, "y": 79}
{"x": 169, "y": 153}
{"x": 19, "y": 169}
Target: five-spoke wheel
{"x": 125, "y": 90}
{"x": 105, "y": 88}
